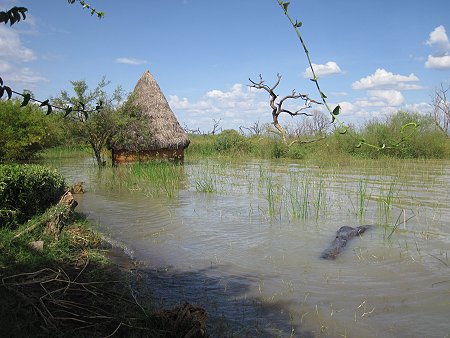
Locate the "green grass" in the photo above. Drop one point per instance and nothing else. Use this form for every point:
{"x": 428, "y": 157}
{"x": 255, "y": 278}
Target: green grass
{"x": 157, "y": 178}
{"x": 69, "y": 288}
{"x": 154, "y": 179}
{"x": 62, "y": 287}
{"x": 65, "y": 152}
{"x": 361, "y": 199}
{"x": 425, "y": 141}
{"x": 386, "y": 200}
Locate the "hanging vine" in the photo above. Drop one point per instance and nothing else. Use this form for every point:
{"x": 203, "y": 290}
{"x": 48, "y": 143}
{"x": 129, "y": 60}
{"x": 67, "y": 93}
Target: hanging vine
{"x": 406, "y": 130}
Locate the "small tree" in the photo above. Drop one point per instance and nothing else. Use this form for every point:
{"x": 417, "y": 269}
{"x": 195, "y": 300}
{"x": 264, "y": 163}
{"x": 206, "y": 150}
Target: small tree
{"x": 441, "y": 108}
{"x": 97, "y": 127}
{"x": 277, "y": 106}
{"x": 24, "y": 131}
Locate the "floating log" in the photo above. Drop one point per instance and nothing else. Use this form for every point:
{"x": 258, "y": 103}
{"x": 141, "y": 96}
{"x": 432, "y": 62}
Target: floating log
{"x": 343, "y": 235}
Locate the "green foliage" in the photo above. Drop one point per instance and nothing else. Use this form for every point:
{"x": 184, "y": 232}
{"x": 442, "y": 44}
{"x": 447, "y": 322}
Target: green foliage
{"x": 92, "y": 10}
{"x": 27, "y": 190}
{"x": 201, "y": 145}
{"x": 13, "y": 15}
{"x": 423, "y": 141}
{"x": 229, "y": 139}
{"x": 131, "y": 128}
{"x": 408, "y": 141}
{"x": 277, "y": 149}
{"x": 95, "y": 116}
{"x": 296, "y": 151}
{"x": 25, "y": 131}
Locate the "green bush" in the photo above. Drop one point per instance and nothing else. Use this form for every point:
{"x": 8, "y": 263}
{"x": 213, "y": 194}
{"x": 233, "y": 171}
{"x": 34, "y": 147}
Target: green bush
{"x": 228, "y": 139}
{"x": 25, "y": 130}
{"x": 425, "y": 141}
{"x": 27, "y": 190}
{"x": 201, "y": 145}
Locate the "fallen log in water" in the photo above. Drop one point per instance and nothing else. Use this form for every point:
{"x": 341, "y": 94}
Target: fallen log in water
{"x": 343, "y": 235}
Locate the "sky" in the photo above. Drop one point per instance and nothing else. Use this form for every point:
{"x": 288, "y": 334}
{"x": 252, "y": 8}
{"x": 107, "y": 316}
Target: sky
{"x": 373, "y": 58}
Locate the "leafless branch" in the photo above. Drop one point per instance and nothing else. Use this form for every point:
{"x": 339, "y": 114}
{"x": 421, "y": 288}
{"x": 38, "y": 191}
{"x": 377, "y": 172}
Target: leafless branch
{"x": 277, "y": 107}
{"x": 441, "y": 108}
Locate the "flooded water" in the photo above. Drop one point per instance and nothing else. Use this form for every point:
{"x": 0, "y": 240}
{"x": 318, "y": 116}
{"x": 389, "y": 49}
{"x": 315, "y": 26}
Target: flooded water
{"x": 244, "y": 239}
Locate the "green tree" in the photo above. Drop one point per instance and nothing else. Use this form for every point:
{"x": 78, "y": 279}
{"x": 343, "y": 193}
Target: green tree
{"x": 25, "y": 131}
{"x": 97, "y": 127}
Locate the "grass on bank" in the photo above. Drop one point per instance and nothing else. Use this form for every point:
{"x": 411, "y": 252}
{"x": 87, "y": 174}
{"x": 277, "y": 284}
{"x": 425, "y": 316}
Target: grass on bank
{"x": 68, "y": 288}
{"x": 424, "y": 141}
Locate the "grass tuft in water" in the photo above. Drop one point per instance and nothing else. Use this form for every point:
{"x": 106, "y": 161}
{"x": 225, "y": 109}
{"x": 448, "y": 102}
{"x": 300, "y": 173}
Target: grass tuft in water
{"x": 362, "y": 200}
{"x": 386, "y": 200}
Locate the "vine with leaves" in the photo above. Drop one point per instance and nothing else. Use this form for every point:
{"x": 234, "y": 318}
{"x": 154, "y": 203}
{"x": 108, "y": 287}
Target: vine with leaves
{"x": 412, "y": 126}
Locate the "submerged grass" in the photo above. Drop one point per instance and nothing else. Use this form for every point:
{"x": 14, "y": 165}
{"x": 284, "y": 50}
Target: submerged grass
{"x": 306, "y": 197}
{"x": 153, "y": 179}
{"x": 157, "y": 177}
{"x": 361, "y": 199}
{"x": 386, "y": 200}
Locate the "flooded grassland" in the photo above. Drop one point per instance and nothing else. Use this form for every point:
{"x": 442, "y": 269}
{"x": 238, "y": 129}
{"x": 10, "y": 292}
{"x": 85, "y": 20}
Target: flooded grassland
{"x": 243, "y": 240}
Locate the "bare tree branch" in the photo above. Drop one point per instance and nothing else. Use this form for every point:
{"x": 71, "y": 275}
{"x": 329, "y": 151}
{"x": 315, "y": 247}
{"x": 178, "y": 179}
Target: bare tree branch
{"x": 277, "y": 107}
{"x": 441, "y": 109}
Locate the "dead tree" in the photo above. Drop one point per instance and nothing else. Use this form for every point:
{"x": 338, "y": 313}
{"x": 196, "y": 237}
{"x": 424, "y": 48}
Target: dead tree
{"x": 216, "y": 129}
{"x": 192, "y": 131}
{"x": 277, "y": 107}
{"x": 257, "y": 129}
{"x": 441, "y": 109}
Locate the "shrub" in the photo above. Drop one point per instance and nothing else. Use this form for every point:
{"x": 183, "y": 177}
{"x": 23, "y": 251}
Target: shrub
{"x": 228, "y": 139}
{"x": 25, "y": 130}
{"x": 27, "y": 190}
{"x": 426, "y": 141}
{"x": 296, "y": 151}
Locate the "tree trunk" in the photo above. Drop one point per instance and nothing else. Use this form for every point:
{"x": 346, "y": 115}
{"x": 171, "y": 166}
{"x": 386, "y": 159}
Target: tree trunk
{"x": 98, "y": 154}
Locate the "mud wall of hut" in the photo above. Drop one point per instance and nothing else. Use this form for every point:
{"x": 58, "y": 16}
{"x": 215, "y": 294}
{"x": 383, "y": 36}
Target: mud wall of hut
{"x": 123, "y": 156}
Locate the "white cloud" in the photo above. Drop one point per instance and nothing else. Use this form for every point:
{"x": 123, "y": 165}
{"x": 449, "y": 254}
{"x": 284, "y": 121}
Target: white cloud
{"x": 441, "y": 58}
{"x": 11, "y": 47}
{"x": 390, "y": 97}
{"x": 235, "y": 107}
{"x": 438, "y": 37}
{"x": 24, "y": 76}
{"x": 130, "y": 61}
{"x": 328, "y": 68}
{"x": 339, "y": 93}
{"x": 347, "y": 107}
{"x": 383, "y": 79}
{"x": 421, "y": 107}
{"x": 13, "y": 54}
{"x": 438, "y": 62}
{"x": 4, "y": 66}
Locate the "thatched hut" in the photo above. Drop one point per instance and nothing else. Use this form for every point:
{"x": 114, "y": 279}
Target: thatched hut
{"x": 152, "y": 130}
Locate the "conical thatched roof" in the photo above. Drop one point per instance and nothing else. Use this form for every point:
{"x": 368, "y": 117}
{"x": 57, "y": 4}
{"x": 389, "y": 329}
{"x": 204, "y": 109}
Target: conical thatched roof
{"x": 156, "y": 126}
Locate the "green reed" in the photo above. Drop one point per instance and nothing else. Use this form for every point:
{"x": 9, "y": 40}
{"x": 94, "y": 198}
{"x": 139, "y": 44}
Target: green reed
{"x": 362, "y": 200}
{"x": 206, "y": 177}
{"x": 270, "y": 196}
{"x": 208, "y": 184}
{"x": 386, "y": 200}
{"x": 158, "y": 178}
{"x": 305, "y": 197}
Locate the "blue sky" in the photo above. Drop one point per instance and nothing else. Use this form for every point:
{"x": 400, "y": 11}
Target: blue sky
{"x": 373, "y": 57}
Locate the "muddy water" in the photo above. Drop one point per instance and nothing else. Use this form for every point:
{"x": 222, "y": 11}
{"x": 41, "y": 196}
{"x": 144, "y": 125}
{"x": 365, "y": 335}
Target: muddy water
{"x": 244, "y": 240}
